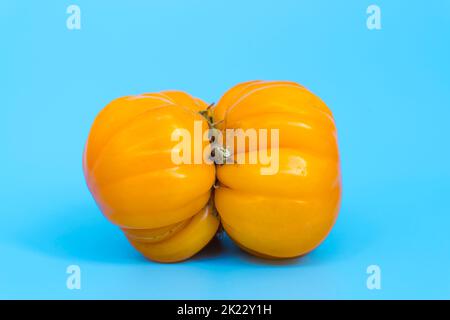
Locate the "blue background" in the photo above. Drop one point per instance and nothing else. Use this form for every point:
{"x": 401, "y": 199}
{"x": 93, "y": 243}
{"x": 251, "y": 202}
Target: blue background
{"x": 388, "y": 89}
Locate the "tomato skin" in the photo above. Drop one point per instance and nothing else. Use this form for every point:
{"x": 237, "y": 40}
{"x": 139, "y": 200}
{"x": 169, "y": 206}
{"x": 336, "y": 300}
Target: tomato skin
{"x": 166, "y": 210}
{"x": 129, "y": 170}
{"x": 289, "y": 213}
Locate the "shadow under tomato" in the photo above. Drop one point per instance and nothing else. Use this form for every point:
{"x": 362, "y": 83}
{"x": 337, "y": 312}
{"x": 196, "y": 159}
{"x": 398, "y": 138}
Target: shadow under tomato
{"x": 214, "y": 249}
{"x": 81, "y": 233}
{"x": 353, "y": 233}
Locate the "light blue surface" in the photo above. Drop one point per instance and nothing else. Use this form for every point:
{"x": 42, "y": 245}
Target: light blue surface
{"x": 388, "y": 89}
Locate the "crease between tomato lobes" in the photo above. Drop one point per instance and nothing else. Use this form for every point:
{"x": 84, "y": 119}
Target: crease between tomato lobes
{"x": 289, "y": 213}
{"x": 129, "y": 170}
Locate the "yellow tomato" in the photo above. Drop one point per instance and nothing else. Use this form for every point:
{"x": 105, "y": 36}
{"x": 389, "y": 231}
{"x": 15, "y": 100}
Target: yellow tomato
{"x": 163, "y": 208}
{"x": 289, "y": 213}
